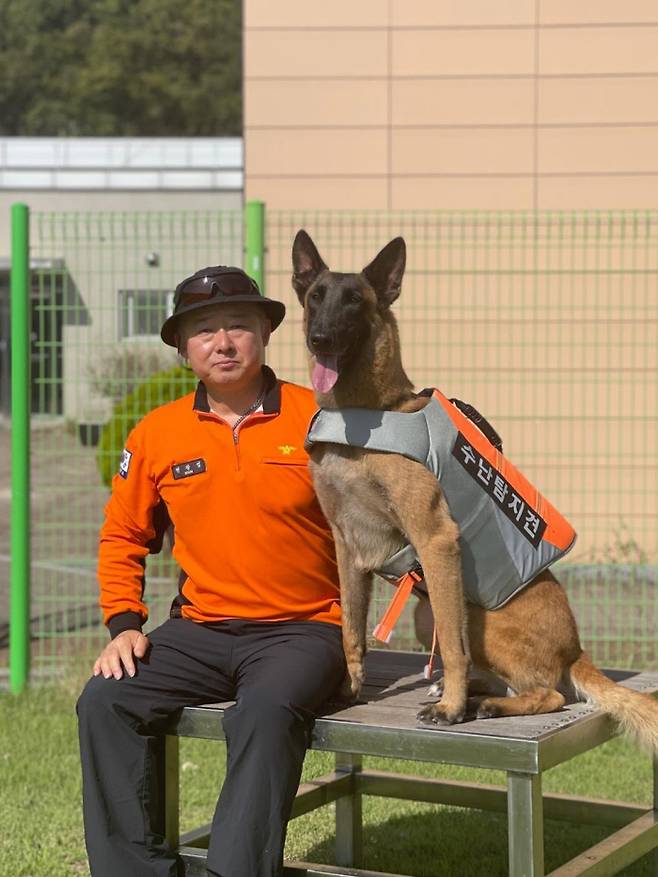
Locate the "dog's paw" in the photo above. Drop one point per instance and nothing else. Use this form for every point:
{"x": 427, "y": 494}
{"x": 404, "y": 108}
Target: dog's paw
{"x": 352, "y": 682}
{"x": 357, "y": 675}
{"x": 438, "y": 714}
{"x": 488, "y": 709}
{"x": 436, "y": 689}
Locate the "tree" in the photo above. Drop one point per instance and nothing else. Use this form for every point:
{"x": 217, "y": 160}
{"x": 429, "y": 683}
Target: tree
{"x": 120, "y": 67}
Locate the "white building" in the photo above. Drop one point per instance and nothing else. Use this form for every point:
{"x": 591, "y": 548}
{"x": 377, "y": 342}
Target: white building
{"x": 115, "y": 223}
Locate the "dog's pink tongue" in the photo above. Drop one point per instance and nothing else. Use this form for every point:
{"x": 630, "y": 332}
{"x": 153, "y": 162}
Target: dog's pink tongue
{"x": 325, "y": 373}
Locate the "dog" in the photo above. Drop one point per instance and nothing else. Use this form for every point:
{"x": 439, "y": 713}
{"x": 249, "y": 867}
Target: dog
{"x": 376, "y": 502}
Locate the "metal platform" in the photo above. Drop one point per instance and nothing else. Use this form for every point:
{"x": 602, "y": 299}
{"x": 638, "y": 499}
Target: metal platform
{"x": 385, "y": 725}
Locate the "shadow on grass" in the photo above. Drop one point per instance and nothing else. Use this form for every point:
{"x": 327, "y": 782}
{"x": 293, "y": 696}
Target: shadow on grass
{"x": 461, "y": 843}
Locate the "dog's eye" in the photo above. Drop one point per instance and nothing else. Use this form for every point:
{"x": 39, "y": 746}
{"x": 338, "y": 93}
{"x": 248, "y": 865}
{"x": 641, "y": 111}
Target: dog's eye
{"x": 353, "y": 296}
{"x": 317, "y": 294}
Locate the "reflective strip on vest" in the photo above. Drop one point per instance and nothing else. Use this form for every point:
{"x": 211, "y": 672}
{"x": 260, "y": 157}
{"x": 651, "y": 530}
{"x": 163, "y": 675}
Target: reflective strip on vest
{"x": 509, "y": 532}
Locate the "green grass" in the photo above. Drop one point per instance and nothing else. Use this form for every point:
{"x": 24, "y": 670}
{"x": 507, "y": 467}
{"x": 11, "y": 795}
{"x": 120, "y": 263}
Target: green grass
{"x": 42, "y": 826}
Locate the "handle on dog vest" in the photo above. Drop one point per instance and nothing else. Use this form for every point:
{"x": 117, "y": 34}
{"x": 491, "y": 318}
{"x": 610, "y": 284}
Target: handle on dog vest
{"x": 403, "y": 588}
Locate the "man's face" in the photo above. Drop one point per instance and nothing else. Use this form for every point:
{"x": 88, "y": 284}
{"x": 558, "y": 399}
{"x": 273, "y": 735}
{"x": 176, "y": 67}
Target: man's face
{"x": 225, "y": 344}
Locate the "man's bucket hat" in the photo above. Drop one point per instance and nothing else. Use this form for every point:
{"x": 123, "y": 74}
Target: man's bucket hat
{"x": 213, "y": 286}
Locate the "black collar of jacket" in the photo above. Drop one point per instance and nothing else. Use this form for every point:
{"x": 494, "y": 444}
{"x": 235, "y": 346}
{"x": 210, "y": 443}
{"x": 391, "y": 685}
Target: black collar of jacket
{"x": 271, "y": 401}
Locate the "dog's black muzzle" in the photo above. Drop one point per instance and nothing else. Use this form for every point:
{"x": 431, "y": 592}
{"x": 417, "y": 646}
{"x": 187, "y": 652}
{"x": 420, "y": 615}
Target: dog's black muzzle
{"x": 321, "y": 342}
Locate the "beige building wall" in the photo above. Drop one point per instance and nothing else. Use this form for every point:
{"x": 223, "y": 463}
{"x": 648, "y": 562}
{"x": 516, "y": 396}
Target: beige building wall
{"x": 409, "y": 104}
{"x": 546, "y": 323}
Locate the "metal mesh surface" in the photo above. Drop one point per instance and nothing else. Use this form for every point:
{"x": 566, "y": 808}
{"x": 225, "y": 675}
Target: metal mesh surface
{"x": 547, "y": 323}
{"x": 102, "y": 284}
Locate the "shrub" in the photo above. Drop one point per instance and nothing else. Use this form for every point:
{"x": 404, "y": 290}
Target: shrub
{"x": 117, "y": 371}
{"x": 161, "y": 388}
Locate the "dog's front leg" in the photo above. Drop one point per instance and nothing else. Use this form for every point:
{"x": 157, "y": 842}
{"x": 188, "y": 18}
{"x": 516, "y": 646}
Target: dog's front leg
{"x": 441, "y": 561}
{"x": 355, "y": 587}
{"x": 420, "y": 512}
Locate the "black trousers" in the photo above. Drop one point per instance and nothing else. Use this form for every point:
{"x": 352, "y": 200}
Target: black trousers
{"x": 279, "y": 674}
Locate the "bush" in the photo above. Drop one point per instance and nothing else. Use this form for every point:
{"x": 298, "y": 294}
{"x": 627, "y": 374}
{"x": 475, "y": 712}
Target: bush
{"x": 117, "y": 371}
{"x": 161, "y": 388}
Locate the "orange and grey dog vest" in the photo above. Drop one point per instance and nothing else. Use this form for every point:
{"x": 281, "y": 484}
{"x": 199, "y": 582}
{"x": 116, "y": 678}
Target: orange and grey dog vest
{"x": 509, "y": 532}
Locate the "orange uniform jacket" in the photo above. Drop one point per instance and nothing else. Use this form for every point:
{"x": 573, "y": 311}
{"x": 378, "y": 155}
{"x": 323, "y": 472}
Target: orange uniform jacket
{"x": 250, "y": 537}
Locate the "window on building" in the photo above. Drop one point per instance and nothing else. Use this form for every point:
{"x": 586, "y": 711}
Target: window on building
{"x": 143, "y": 311}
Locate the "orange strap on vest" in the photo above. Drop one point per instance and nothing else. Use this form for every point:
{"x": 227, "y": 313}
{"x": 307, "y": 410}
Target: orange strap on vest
{"x": 403, "y": 589}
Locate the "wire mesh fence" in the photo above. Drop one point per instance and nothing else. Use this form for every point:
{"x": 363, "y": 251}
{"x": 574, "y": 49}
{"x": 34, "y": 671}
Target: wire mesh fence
{"x": 102, "y": 284}
{"x": 546, "y": 322}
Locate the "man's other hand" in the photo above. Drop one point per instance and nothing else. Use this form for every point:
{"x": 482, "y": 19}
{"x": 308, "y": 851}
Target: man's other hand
{"x": 120, "y": 652}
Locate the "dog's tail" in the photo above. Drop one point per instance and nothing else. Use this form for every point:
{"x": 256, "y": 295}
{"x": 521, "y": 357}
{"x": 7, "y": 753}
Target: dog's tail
{"x": 636, "y": 712}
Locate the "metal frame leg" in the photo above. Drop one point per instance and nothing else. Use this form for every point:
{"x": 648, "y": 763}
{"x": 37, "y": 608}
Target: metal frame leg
{"x": 349, "y": 822}
{"x": 525, "y": 827}
{"x": 171, "y": 802}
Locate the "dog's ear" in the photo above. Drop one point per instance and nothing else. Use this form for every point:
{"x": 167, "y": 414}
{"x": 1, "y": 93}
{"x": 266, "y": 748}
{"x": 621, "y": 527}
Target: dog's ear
{"x": 385, "y": 272}
{"x": 306, "y": 264}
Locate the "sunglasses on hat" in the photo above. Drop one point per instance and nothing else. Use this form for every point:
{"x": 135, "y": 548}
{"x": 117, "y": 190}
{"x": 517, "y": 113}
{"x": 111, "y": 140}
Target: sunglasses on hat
{"x": 207, "y": 286}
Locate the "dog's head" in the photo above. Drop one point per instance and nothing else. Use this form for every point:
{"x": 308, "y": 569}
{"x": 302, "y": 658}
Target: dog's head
{"x": 342, "y": 310}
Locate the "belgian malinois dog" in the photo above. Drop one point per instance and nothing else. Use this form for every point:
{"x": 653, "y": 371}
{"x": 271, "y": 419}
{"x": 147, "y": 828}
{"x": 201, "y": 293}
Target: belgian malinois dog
{"x": 377, "y": 502}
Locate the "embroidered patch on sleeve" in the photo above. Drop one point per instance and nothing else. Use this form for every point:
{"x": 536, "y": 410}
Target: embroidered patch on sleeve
{"x": 124, "y": 465}
{"x": 185, "y": 470}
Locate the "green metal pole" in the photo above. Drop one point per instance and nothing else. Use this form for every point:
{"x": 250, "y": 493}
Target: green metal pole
{"x": 255, "y": 242}
{"x": 19, "y": 617}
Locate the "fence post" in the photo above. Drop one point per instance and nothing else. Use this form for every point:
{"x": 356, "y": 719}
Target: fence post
{"x": 19, "y": 617}
{"x": 255, "y": 242}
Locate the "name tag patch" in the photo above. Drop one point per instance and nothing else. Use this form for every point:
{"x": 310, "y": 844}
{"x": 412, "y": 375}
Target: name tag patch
{"x": 186, "y": 470}
{"x": 526, "y": 520}
{"x": 124, "y": 463}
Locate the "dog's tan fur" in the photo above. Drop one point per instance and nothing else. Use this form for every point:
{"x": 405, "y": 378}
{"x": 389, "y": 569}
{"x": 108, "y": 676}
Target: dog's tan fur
{"x": 375, "y": 502}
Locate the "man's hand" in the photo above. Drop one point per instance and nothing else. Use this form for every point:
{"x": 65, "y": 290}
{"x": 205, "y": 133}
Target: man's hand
{"x": 120, "y": 651}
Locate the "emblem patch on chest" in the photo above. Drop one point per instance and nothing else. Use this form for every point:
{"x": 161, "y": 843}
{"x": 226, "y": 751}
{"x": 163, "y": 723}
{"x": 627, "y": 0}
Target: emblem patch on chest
{"x": 186, "y": 470}
{"x": 527, "y": 521}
